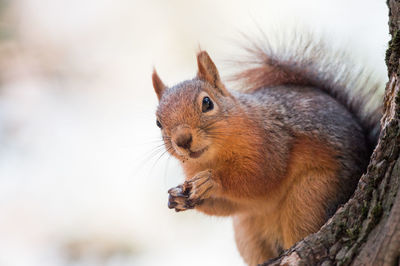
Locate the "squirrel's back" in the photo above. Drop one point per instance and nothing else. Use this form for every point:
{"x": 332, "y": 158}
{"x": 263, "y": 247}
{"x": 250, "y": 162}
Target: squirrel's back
{"x": 308, "y": 115}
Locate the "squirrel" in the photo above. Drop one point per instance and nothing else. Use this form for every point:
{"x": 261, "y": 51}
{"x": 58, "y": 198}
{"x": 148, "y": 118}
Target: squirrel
{"x": 280, "y": 155}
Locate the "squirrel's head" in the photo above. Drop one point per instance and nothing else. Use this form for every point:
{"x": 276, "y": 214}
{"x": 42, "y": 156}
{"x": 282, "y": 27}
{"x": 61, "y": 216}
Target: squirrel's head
{"x": 192, "y": 114}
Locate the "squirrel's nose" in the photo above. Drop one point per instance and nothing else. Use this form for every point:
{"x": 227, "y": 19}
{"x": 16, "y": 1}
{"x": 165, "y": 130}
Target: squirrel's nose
{"x": 184, "y": 141}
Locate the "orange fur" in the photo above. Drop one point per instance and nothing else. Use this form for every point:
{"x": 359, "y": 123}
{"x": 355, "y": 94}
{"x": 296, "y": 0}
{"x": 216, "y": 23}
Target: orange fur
{"x": 294, "y": 209}
{"x": 311, "y": 179}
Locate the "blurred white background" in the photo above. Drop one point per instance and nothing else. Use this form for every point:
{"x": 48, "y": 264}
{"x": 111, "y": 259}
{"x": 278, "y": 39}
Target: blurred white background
{"x": 80, "y": 179}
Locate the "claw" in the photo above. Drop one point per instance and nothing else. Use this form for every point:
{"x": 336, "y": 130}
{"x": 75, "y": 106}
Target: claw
{"x": 192, "y": 192}
{"x": 178, "y": 192}
{"x": 171, "y": 203}
{"x": 200, "y": 187}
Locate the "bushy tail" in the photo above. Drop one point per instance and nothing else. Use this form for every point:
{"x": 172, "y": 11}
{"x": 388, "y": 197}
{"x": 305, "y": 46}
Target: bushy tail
{"x": 304, "y": 60}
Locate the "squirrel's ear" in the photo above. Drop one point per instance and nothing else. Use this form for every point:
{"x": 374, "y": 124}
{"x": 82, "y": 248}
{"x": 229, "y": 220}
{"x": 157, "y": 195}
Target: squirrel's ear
{"x": 158, "y": 85}
{"x": 209, "y": 72}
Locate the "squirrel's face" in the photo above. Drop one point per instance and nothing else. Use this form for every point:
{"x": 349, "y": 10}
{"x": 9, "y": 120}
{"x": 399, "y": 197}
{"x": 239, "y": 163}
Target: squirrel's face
{"x": 191, "y": 114}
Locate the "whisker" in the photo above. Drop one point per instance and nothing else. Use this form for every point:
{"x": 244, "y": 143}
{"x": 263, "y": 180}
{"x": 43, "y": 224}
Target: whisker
{"x": 153, "y": 141}
{"x": 166, "y": 170}
{"x": 165, "y": 152}
{"x": 142, "y": 163}
{"x": 151, "y": 155}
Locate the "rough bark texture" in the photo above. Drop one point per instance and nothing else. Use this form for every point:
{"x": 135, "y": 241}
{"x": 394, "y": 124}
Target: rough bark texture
{"x": 366, "y": 230}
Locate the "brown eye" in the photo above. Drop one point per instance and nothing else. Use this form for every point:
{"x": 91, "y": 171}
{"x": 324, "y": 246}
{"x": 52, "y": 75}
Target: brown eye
{"x": 159, "y": 124}
{"x": 207, "y": 105}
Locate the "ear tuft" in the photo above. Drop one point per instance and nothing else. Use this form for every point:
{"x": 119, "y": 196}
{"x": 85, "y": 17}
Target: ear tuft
{"x": 207, "y": 69}
{"x": 208, "y": 72}
{"x": 158, "y": 85}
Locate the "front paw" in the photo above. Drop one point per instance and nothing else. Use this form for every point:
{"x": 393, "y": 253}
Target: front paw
{"x": 179, "y": 199}
{"x": 200, "y": 187}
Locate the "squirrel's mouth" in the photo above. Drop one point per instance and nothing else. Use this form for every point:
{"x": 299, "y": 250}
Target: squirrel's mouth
{"x": 197, "y": 154}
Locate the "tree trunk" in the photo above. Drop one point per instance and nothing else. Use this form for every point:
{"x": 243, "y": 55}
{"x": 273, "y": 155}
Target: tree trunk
{"x": 366, "y": 230}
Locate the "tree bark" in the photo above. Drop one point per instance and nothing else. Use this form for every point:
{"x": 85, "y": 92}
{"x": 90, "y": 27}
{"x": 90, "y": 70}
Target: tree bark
{"x": 366, "y": 230}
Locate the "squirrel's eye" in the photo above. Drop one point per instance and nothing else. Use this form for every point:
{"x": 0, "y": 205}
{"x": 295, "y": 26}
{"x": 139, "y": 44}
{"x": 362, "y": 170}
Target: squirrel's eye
{"x": 207, "y": 105}
{"x": 158, "y": 124}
